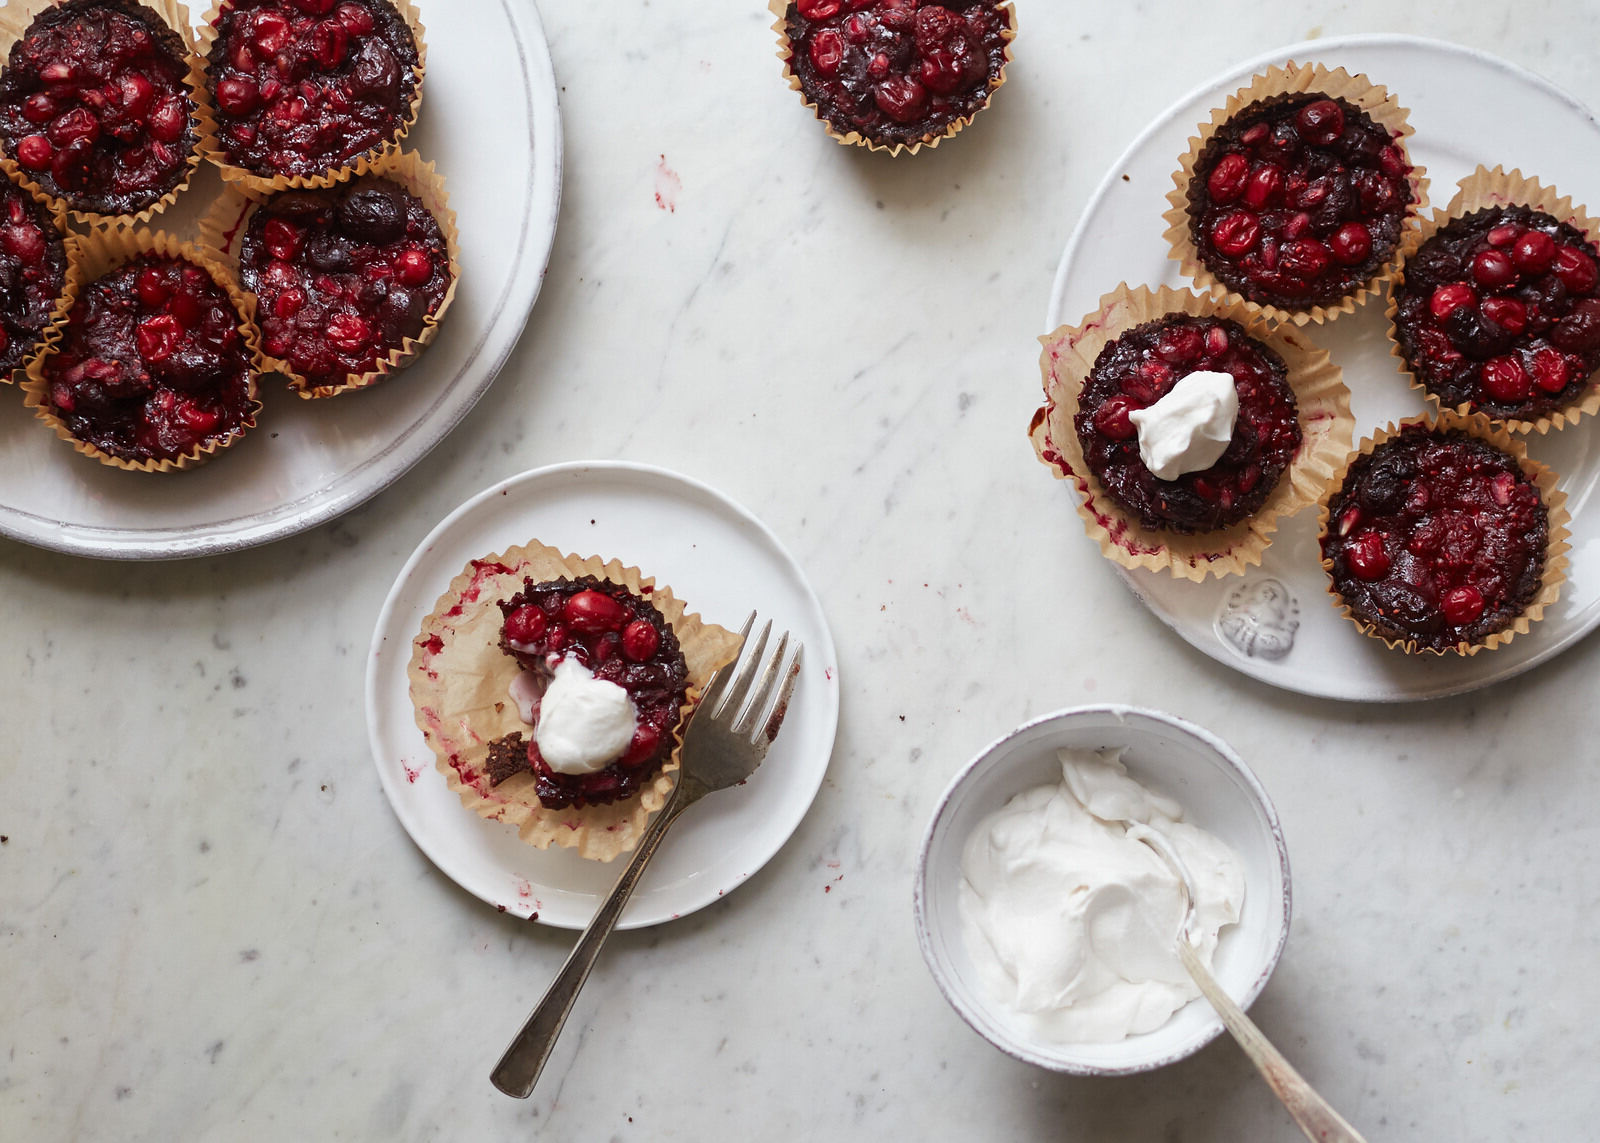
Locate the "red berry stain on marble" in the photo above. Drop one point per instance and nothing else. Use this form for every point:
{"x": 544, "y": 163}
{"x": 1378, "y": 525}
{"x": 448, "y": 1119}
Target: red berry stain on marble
{"x": 966, "y": 616}
{"x": 668, "y": 186}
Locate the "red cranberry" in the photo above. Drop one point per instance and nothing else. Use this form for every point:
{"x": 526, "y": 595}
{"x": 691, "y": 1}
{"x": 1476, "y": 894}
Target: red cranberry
{"x": 1579, "y": 331}
{"x": 1492, "y": 269}
{"x": 1180, "y": 345}
{"x": 39, "y": 108}
{"x": 35, "y": 152}
{"x": 329, "y": 42}
{"x": 1534, "y": 251}
{"x": 1111, "y": 418}
{"x": 158, "y": 337}
{"x": 1392, "y": 161}
{"x": 413, "y": 266}
{"x": 289, "y": 303}
{"x": 137, "y": 94}
{"x": 1235, "y": 233}
{"x": 1297, "y": 225}
{"x": 1321, "y": 122}
{"x": 1576, "y": 270}
{"x": 1366, "y": 557}
{"x": 856, "y": 29}
{"x": 152, "y": 288}
{"x": 1447, "y": 299}
{"x": 169, "y": 120}
{"x": 1304, "y": 259}
{"x": 238, "y": 95}
{"x": 827, "y": 49}
{"x": 1504, "y": 235}
{"x": 818, "y": 9}
{"x": 901, "y": 98}
{"x": 878, "y": 65}
{"x": 201, "y": 421}
{"x": 1227, "y": 178}
{"x": 271, "y": 32}
{"x": 1263, "y": 187}
{"x": 1506, "y": 381}
{"x": 945, "y": 72}
{"x": 646, "y": 739}
{"x": 1350, "y": 244}
{"x": 282, "y": 239}
{"x": 1462, "y": 605}
{"x": 593, "y": 612}
{"x": 23, "y": 242}
{"x": 186, "y": 308}
{"x": 348, "y": 333}
{"x": 525, "y": 625}
{"x": 356, "y": 19}
{"x": 1550, "y": 370}
{"x": 640, "y": 640}
{"x": 1507, "y": 313}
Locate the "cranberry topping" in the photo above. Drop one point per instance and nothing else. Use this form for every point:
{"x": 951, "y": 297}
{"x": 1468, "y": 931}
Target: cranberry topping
{"x": 897, "y": 71}
{"x": 95, "y": 105}
{"x": 33, "y": 268}
{"x": 344, "y": 275}
{"x": 1436, "y": 537}
{"x": 152, "y": 365}
{"x": 621, "y": 638}
{"x": 1298, "y": 200}
{"x": 302, "y": 86}
{"x": 1500, "y": 311}
{"x": 1136, "y": 370}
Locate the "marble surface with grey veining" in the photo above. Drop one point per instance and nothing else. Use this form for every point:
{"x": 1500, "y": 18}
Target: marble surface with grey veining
{"x": 212, "y": 926}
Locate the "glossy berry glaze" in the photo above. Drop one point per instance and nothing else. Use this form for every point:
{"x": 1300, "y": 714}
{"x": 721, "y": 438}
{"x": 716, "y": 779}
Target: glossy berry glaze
{"x": 95, "y": 106}
{"x": 1298, "y": 201}
{"x": 33, "y": 267}
{"x": 344, "y": 275}
{"x": 897, "y": 71}
{"x": 621, "y": 638}
{"x": 1136, "y": 370}
{"x": 301, "y": 86}
{"x": 1436, "y": 537}
{"x": 152, "y": 365}
{"x": 1500, "y": 310}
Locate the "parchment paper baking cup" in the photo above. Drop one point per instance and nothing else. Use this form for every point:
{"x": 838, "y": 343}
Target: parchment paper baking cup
{"x": 1556, "y": 545}
{"x": 853, "y": 138}
{"x": 459, "y": 678}
{"x": 1326, "y": 427}
{"x": 14, "y": 20}
{"x": 210, "y": 132}
{"x": 1292, "y": 79}
{"x": 92, "y": 256}
{"x": 63, "y": 302}
{"x": 1482, "y": 189}
{"x": 224, "y": 225}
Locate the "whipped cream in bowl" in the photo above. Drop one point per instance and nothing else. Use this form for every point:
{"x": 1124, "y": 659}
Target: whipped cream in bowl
{"x": 1050, "y": 928}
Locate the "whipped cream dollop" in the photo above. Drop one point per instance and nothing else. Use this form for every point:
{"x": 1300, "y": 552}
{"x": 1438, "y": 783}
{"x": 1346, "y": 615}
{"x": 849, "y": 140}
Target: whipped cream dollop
{"x": 584, "y": 723}
{"x": 1071, "y": 923}
{"x": 1190, "y": 427}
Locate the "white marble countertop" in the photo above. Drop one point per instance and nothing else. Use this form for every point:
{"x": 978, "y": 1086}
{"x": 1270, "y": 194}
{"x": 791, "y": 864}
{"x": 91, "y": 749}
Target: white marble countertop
{"x": 212, "y": 927}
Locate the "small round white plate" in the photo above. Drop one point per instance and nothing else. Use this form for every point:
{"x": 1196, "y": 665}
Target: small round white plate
{"x": 714, "y": 555}
{"x": 1467, "y": 108}
{"x": 491, "y": 121}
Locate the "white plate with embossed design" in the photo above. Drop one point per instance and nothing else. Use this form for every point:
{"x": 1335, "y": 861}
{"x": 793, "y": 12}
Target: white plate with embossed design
{"x": 1277, "y": 622}
{"x": 307, "y": 462}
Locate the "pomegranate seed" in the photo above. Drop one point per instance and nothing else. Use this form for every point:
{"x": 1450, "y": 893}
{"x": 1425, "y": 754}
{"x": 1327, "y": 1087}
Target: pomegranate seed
{"x": 818, "y": 9}
{"x": 35, "y": 152}
{"x": 1447, "y": 299}
{"x": 1206, "y": 490}
{"x": 525, "y": 625}
{"x": 878, "y": 66}
{"x": 282, "y": 239}
{"x": 238, "y": 95}
{"x": 1254, "y": 135}
{"x": 1550, "y": 370}
{"x": 901, "y": 98}
{"x": 1227, "y": 178}
{"x": 56, "y": 73}
{"x": 1462, "y": 605}
{"x": 1501, "y": 488}
{"x": 1264, "y": 185}
{"x": 1366, "y": 557}
{"x": 646, "y": 739}
{"x": 827, "y": 50}
{"x": 1249, "y": 478}
{"x": 640, "y": 640}
{"x": 1576, "y": 270}
{"x": 1321, "y": 122}
{"x": 1392, "y": 162}
{"x": 413, "y": 266}
{"x": 593, "y": 612}
{"x": 1507, "y": 313}
{"x": 1506, "y": 381}
{"x": 24, "y": 243}
{"x": 1297, "y": 225}
{"x": 856, "y": 29}
{"x": 1235, "y": 233}
{"x": 1493, "y": 269}
{"x": 1534, "y": 251}
{"x": 1216, "y": 341}
{"x": 38, "y": 108}
{"x": 1350, "y": 244}
{"x": 1504, "y": 235}
{"x": 348, "y": 333}
{"x": 158, "y": 337}
{"x": 1111, "y": 418}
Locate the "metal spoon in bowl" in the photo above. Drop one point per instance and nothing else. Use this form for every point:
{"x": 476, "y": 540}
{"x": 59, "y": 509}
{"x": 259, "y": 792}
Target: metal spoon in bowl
{"x": 1320, "y": 1122}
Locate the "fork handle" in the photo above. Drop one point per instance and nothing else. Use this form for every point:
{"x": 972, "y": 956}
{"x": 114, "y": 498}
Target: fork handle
{"x": 518, "y": 1070}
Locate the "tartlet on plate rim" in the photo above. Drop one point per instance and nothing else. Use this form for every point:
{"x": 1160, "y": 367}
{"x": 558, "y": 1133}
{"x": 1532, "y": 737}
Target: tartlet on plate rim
{"x": 851, "y": 137}
{"x": 459, "y": 678}
{"x": 1542, "y": 477}
{"x": 1488, "y": 188}
{"x": 1293, "y": 79}
{"x": 58, "y": 310}
{"x": 1326, "y": 425}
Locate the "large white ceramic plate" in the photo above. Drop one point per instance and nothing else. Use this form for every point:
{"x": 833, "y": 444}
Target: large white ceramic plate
{"x": 1467, "y": 108}
{"x": 491, "y": 122}
{"x": 723, "y": 563}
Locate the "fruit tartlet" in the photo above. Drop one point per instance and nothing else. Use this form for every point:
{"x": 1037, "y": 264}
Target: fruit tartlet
{"x": 1497, "y": 307}
{"x": 894, "y": 75}
{"x": 33, "y": 274}
{"x": 299, "y": 90}
{"x": 97, "y": 104}
{"x": 552, "y": 691}
{"x": 1296, "y": 195}
{"x": 154, "y": 367}
{"x": 1441, "y": 535}
{"x": 1262, "y": 415}
{"x": 352, "y": 280}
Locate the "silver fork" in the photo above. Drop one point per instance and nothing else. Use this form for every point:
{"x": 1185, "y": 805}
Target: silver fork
{"x": 728, "y": 736}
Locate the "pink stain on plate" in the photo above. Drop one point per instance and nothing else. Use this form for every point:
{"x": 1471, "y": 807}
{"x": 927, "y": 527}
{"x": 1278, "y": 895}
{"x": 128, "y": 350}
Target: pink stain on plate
{"x": 668, "y": 185}
{"x": 411, "y": 775}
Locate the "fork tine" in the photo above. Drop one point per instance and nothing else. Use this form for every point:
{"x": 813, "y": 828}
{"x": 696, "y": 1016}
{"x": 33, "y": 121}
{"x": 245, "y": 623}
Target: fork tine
{"x": 780, "y": 708}
{"x": 740, "y": 685}
{"x": 719, "y": 682}
{"x": 756, "y": 702}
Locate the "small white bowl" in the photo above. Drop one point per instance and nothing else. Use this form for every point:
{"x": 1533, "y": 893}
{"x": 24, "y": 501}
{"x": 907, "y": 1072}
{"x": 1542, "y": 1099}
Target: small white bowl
{"x": 1218, "y": 793}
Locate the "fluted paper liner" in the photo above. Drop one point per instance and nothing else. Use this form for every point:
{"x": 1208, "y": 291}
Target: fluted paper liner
{"x": 1326, "y": 427}
{"x": 63, "y": 302}
{"x": 1293, "y": 79}
{"x": 90, "y": 257}
{"x": 780, "y": 10}
{"x": 211, "y": 145}
{"x": 1484, "y": 189}
{"x": 14, "y": 20}
{"x": 1541, "y": 476}
{"x": 223, "y": 228}
{"x": 459, "y": 680}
